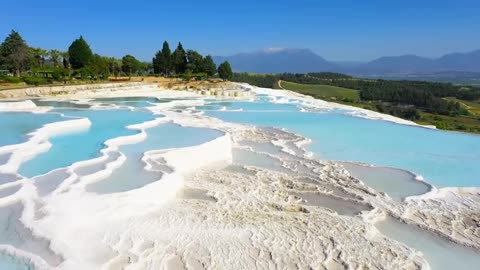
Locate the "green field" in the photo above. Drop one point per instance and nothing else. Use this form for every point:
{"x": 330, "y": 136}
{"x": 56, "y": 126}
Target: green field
{"x": 472, "y": 106}
{"x": 322, "y": 91}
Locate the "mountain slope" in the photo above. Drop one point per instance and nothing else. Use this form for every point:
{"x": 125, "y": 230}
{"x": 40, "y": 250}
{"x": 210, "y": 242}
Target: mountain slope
{"x": 278, "y": 61}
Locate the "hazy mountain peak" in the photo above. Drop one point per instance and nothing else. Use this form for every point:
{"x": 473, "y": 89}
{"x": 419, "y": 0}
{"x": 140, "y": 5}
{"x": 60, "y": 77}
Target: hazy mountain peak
{"x": 274, "y": 50}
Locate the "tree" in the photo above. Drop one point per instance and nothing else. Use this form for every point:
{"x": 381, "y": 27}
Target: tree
{"x": 38, "y": 56}
{"x": 79, "y": 53}
{"x": 55, "y": 56}
{"x": 209, "y": 66}
{"x": 195, "y": 61}
{"x": 179, "y": 59}
{"x": 225, "y": 71}
{"x": 14, "y": 53}
{"x": 98, "y": 66}
{"x": 162, "y": 62}
{"x": 130, "y": 64}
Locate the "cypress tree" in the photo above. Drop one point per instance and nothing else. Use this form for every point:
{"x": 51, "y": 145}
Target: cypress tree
{"x": 225, "y": 71}
{"x": 162, "y": 62}
{"x": 179, "y": 59}
{"x": 79, "y": 53}
{"x": 209, "y": 66}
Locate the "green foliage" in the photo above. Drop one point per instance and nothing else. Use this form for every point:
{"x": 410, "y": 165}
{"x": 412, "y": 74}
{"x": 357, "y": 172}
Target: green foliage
{"x": 182, "y": 63}
{"x": 98, "y": 67}
{"x": 55, "y": 57}
{"x": 209, "y": 66}
{"x": 114, "y": 65}
{"x": 323, "y": 91}
{"x": 162, "y": 62}
{"x": 225, "y": 71}
{"x": 37, "y": 57}
{"x": 55, "y": 73}
{"x": 130, "y": 64}
{"x": 34, "y": 80}
{"x": 405, "y": 112}
{"x": 180, "y": 60}
{"x": 412, "y": 96}
{"x": 79, "y": 53}
{"x": 14, "y": 54}
{"x": 195, "y": 61}
{"x": 10, "y": 79}
{"x": 260, "y": 80}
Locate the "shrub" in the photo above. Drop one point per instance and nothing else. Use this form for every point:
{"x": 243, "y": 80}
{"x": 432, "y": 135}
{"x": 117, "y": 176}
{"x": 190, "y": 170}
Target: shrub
{"x": 32, "y": 80}
{"x": 9, "y": 79}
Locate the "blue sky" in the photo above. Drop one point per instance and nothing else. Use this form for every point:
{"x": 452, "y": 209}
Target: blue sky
{"x": 340, "y": 30}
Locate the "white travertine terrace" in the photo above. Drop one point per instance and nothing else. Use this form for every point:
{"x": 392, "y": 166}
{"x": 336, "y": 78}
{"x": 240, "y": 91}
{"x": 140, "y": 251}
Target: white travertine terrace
{"x": 248, "y": 218}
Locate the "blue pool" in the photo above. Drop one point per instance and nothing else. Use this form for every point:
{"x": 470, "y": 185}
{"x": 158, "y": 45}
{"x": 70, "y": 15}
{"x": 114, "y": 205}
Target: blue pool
{"x": 442, "y": 158}
{"x": 70, "y": 148}
{"x": 17, "y": 125}
{"x": 131, "y": 174}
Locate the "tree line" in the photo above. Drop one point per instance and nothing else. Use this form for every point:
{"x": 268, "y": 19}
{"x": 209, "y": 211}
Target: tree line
{"x": 38, "y": 66}
{"x": 187, "y": 62}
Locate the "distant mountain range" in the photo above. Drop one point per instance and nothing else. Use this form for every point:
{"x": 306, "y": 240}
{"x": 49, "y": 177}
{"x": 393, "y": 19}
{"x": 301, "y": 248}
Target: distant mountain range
{"x": 304, "y": 60}
{"x": 277, "y": 61}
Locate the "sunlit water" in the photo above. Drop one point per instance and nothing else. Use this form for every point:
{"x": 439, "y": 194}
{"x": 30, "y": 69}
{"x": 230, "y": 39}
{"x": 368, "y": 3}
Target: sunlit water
{"x": 73, "y": 147}
{"x": 442, "y": 158}
{"x": 132, "y": 173}
{"x": 17, "y": 125}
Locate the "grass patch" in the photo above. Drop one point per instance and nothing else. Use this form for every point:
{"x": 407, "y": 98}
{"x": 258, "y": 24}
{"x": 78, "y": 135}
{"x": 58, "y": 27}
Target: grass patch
{"x": 459, "y": 123}
{"x": 472, "y": 106}
{"x": 322, "y": 91}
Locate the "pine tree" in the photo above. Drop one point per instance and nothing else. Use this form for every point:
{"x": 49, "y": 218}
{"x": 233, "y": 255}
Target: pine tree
{"x": 179, "y": 59}
{"x": 14, "y": 53}
{"x": 166, "y": 63}
{"x": 79, "y": 53}
{"x": 162, "y": 62}
{"x": 225, "y": 71}
{"x": 209, "y": 66}
{"x": 195, "y": 61}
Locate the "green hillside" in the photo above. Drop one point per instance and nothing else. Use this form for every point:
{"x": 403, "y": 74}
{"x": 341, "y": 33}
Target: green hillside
{"x": 322, "y": 91}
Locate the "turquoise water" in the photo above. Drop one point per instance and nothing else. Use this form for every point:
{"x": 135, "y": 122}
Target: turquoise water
{"x": 443, "y": 158}
{"x": 249, "y": 106}
{"x": 132, "y": 174}
{"x": 70, "y": 148}
{"x": 12, "y": 263}
{"x": 60, "y": 104}
{"x": 138, "y": 102}
{"x": 17, "y": 125}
